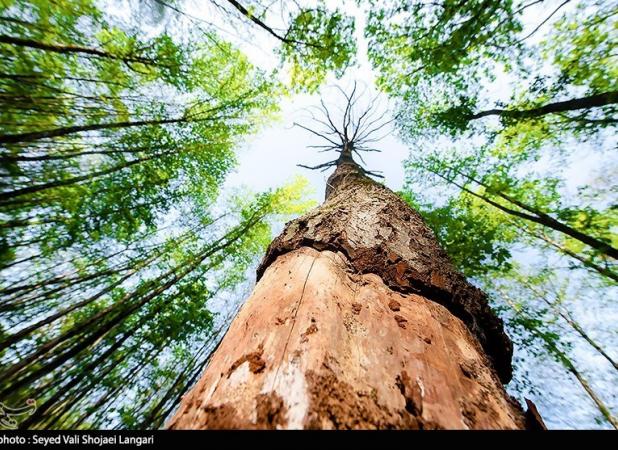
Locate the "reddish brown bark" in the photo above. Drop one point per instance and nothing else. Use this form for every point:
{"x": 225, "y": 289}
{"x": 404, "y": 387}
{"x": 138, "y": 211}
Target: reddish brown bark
{"x": 358, "y": 320}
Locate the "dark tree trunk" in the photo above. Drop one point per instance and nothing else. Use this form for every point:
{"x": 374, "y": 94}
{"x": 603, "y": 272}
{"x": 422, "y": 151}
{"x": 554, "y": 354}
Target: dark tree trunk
{"x": 69, "y": 49}
{"x": 591, "y": 101}
{"x": 358, "y": 320}
{"x": 64, "y": 131}
{"x": 535, "y": 215}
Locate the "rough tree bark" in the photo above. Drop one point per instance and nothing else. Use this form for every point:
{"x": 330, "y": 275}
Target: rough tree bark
{"x": 358, "y": 320}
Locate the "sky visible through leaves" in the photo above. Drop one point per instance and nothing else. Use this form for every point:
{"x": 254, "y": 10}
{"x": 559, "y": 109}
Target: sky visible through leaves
{"x": 270, "y": 157}
{"x": 129, "y": 249}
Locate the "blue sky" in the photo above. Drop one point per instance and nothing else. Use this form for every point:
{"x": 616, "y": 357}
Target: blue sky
{"x": 269, "y": 159}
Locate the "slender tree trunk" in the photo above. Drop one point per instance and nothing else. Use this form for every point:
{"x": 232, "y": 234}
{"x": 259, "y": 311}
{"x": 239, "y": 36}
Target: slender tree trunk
{"x": 568, "y": 364}
{"x": 72, "y": 49}
{"x": 64, "y": 131}
{"x": 591, "y": 101}
{"x": 587, "y": 262}
{"x": 566, "y": 316}
{"x": 358, "y": 320}
{"x": 536, "y": 216}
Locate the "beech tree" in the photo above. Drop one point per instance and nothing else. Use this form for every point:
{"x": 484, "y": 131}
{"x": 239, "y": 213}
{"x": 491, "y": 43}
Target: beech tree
{"x": 358, "y": 320}
{"x": 123, "y": 255}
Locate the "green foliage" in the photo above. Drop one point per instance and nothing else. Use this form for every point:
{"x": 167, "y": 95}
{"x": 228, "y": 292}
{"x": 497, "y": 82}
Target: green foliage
{"x": 318, "y": 42}
{"x": 412, "y": 43}
{"x": 504, "y": 208}
{"x": 155, "y": 152}
{"x": 583, "y": 48}
{"x": 114, "y": 232}
{"x": 440, "y": 76}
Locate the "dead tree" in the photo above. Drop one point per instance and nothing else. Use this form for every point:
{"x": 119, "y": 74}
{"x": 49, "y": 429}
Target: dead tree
{"x": 358, "y": 319}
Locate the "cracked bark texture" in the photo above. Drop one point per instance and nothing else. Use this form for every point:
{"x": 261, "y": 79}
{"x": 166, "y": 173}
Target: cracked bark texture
{"x": 358, "y": 320}
{"x": 381, "y": 234}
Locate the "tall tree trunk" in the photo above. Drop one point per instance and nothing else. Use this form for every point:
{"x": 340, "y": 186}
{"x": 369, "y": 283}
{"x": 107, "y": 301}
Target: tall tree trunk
{"x": 358, "y": 320}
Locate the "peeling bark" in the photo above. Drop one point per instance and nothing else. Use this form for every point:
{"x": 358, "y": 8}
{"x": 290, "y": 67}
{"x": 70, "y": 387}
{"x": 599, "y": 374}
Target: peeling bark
{"x": 381, "y": 234}
{"x": 358, "y": 321}
{"x": 337, "y": 367}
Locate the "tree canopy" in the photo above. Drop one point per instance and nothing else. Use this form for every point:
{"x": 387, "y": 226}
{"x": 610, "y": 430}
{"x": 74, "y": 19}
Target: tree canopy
{"x": 115, "y": 233}
{"x": 119, "y": 128}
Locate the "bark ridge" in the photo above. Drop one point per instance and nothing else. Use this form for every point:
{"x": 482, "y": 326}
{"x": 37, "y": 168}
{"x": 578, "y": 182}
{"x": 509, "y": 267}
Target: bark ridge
{"x": 379, "y": 233}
